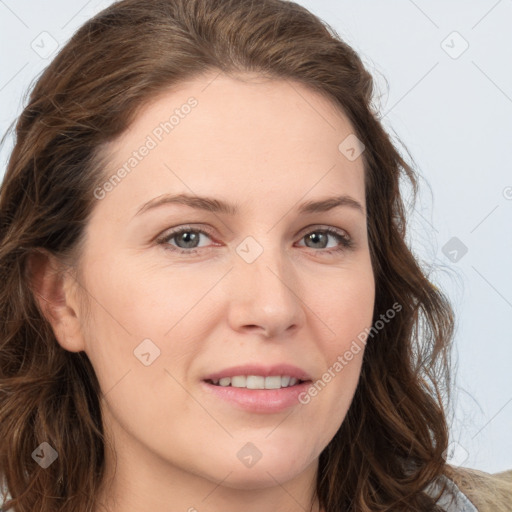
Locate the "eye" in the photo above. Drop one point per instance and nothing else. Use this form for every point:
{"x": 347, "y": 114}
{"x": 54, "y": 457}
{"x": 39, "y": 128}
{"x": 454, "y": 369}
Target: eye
{"x": 320, "y": 237}
{"x": 186, "y": 240}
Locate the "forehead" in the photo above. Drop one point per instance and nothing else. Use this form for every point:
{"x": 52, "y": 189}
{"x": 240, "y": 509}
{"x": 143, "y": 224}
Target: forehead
{"x": 234, "y": 135}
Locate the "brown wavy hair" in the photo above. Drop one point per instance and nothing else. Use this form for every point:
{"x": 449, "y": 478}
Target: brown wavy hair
{"x": 391, "y": 444}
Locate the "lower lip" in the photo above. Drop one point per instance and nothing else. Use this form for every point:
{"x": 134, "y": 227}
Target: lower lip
{"x": 259, "y": 400}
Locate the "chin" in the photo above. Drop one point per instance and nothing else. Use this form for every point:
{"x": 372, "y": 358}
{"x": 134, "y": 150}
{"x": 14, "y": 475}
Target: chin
{"x": 275, "y": 465}
{"x": 261, "y": 476}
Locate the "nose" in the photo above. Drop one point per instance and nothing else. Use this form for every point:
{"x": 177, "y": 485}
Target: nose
{"x": 265, "y": 295}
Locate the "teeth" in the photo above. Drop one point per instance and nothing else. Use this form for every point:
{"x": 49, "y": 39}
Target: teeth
{"x": 257, "y": 381}
{"x": 273, "y": 382}
{"x": 239, "y": 381}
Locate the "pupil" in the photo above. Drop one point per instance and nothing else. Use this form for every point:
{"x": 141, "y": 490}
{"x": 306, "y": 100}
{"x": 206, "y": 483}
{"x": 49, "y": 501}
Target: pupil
{"x": 316, "y": 236}
{"x": 188, "y": 237}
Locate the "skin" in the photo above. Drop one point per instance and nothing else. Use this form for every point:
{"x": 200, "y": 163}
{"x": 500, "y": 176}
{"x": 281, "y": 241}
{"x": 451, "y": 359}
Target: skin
{"x": 266, "y": 146}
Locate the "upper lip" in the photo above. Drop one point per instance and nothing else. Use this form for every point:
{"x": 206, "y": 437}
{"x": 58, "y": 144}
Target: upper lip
{"x": 262, "y": 370}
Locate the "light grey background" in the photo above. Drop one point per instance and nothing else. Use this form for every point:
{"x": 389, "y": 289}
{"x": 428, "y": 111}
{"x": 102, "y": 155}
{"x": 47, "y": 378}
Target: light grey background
{"x": 452, "y": 109}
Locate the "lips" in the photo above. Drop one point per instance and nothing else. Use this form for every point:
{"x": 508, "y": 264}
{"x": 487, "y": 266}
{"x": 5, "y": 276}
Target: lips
{"x": 245, "y": 387}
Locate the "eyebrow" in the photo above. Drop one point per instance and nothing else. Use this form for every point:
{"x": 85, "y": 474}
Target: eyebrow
{"x": 218, "y": 206}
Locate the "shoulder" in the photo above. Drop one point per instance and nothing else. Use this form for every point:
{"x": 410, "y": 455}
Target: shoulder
{"x": 487, "y": 491}
{"x": 471, "y": 490}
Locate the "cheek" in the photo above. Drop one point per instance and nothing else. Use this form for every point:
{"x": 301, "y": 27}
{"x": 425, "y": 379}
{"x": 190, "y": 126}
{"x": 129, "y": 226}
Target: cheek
{"x": 144, "y": 302}
{"x": 347, "y": 309}
{"x": 137, "y": 311}
{"x": 345, "y": 305}
{"x": 152, "y": 301}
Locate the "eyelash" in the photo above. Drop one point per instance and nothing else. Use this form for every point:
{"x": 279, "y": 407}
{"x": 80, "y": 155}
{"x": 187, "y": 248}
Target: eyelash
{"x": 346, "y": 242}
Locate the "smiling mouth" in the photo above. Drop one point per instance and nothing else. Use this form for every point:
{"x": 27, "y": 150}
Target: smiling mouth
{"x": 257, "y": 382}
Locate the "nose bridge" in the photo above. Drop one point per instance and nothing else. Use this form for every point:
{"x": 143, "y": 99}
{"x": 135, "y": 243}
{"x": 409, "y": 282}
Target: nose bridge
{"x": 263, "y": 260}
{"x": 264, "y": 292}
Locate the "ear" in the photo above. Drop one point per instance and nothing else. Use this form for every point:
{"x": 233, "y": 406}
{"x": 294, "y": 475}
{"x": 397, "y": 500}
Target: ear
{"x": 54, "y": 289}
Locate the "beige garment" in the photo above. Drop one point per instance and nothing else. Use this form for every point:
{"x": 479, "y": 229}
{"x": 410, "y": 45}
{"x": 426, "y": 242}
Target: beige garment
{"x": 489, "y": 492}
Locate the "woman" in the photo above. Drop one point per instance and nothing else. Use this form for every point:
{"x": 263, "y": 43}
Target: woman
{"x": 209, "y": 303}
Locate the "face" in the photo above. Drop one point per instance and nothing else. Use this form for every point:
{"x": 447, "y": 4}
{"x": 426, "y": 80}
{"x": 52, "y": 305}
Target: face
{"x": 196, "y": 303}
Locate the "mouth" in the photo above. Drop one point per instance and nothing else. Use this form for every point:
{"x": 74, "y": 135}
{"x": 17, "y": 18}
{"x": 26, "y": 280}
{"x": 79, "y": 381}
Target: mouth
{"x": 258, "y": 388}
{"x": 257, "y": 381}
{"x": 258, "y": 394}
